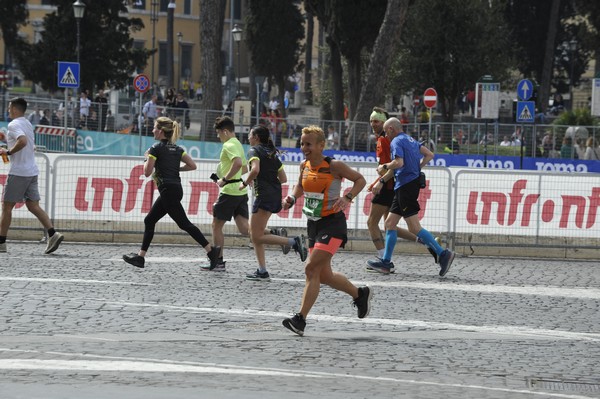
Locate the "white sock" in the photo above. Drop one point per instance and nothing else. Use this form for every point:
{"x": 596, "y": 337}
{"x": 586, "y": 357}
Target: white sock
{"x": 380, "y": 252}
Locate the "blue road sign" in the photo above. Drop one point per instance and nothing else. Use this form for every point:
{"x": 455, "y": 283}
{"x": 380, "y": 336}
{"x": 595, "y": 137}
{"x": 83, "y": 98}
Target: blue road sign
{"x": 524, "y": 89}
{"x": 68, "y": 74}
{"x": 526, "y": 111}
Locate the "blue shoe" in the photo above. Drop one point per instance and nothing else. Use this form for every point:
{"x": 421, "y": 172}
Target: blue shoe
{"x": 446, "y": 259}
{"x": 380, "y": 266}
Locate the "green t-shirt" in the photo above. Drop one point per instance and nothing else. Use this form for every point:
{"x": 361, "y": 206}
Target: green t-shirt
{"x": 232, "y": 149}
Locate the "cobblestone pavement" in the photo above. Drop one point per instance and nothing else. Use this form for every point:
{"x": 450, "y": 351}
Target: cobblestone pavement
{"x": 81, "y": 323}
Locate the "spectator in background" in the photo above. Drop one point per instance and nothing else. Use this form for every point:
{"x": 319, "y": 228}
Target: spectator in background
{"x": 427, "y": 141}
{"x": 198, "y": 86}
{"x": 34, "y": 116}
{"x": 84, "y": 109}
{"x": 591, "y": 150}
{"x": 44, "y": 120}
{"x": 471, "y": 100}
{"x": 333, "y": 138}
{"x": 170, "y": 99}
{"x": 404, "y": 118}
{"x": 109, "y": 126}
{"x": 579, "y": 149}
{"x": 101, "y": 105}
{"x": 150, "y": 114}
{"x": 548, "y": 144}
{"x": 181, "y": 110}
{"x": 55, "y": 120}
{"x": 505, "y": 142}
{"x": 567, "y": 151}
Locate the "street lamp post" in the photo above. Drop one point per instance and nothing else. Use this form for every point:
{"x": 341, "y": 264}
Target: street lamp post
{"x": 572, "y": 48}
{"x": 78, "y": 11}
{"x": 154, "y": 19}
{"x": 237, "y": 37}
{"x": 180, "y": 74}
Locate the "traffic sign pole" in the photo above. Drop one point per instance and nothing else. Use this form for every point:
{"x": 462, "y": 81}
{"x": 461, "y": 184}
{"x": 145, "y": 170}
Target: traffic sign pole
{"x": 430, "y": 100}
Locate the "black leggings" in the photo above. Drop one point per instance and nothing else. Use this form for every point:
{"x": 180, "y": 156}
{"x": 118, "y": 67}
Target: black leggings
{"x": 169, "y": 202}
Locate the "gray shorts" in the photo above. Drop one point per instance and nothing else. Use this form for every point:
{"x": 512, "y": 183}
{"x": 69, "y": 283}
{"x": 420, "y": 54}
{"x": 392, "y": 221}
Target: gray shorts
{"x": 21, "y": 189}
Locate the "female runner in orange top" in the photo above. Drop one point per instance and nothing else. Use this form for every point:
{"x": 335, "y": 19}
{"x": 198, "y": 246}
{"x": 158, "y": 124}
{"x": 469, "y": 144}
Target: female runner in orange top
{"x": 320, "y": 183}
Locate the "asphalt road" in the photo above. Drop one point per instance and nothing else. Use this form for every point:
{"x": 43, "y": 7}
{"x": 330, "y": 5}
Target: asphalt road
{"x": 81, "y": 323}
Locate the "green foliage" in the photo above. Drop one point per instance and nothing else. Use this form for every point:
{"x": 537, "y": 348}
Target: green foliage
{"x": 107, "y": 53}
{"x": 529, "y": 21}
{"x": 579, "y": 117}
{"x": 451, "y": 48}
{"x": 274, "y": 30}
{"x": 356, "y": 25}
{"x": 13, "y": 13}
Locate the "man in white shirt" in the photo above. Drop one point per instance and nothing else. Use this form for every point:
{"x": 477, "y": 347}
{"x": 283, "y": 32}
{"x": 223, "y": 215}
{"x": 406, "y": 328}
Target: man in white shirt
{"x": 22, "y": 182}
{"x": 84, "y": 109}
{"x": 150, "y": 114}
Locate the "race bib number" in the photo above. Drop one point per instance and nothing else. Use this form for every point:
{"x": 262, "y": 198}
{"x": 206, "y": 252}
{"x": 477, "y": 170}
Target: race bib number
{"x": 313, "y": 205}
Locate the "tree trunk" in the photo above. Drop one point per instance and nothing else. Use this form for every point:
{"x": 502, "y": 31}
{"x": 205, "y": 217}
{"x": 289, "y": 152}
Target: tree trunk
{"x": 310, "y": 27}
{"x": 211, "y": 31}
{"x": 385, "y": 45}
{"x": 544, "y": 93}
{"x": 170, "y": 58}
{"x": 337, "y": 83}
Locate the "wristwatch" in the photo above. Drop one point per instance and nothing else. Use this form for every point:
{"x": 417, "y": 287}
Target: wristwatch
{"x": 382, "y": 180}
{"x": 349, "y": 196}
{"x": 385, "y": 166}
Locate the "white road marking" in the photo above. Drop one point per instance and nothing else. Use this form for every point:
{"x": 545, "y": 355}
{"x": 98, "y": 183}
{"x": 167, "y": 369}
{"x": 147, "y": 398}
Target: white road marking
{"x": 72, "y": 280}
{"x": 500, "y": 330}
{"x": 165, "y": 366}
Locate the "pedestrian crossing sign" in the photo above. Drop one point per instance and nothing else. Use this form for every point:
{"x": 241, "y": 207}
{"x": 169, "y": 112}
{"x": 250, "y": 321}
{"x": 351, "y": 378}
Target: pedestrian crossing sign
{"x": 526, "y": 111}
{"x": 68, "y": 74}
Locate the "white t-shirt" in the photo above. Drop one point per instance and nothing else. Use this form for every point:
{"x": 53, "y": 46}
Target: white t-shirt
{"x": 84, "y": 106}
{"x": 22, "y": 162}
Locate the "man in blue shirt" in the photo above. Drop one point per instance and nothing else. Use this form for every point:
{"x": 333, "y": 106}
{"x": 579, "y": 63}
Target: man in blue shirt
{"x": 408, "y": 158}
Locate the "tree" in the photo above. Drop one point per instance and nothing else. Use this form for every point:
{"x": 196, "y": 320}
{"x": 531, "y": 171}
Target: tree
{"x": 211, "y": 33}
{"x": 13, "y": 13}
{"x": 451, "y": 48}
{"x": 533, "y": 22}
{"x": 387, "y": 42}
{"x": 356, "y": 26}
{"x": 275, "y": 50}
{"x": 108, "y": 57}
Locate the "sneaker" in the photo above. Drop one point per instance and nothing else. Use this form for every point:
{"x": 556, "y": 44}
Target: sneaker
{"x": 213, "y": 256}
{"x": 371, "y": 270}
{"x": 380, "y": 266}
{"x": 3, "y": 247}
{"x": 54, "y": 242}
{"x": 219, "y": 267}
{"x": 300, "y": 247}
{"x": 135, "y": 260}
{"x": 282, "y": 232}
{"x": 446, "y": 259}
{"x": 296, "y": 324}
{"x": 258, "y": 276}
{"x": 363, "y": 302}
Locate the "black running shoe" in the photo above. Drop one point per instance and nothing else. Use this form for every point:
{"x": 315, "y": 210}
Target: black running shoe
{"x": 282, "y": 232}
{"x": 135, "y": 260}
{"x": 295, "y": 323}
{"x": 446, "y": 259}
{"x": 258, "y": 276}
{"x": 300, "y": 247}
{"x": 213, "y": 256}
{"x": 363, "y": 302}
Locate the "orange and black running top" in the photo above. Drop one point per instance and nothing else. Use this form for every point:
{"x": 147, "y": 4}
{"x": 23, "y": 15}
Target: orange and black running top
{"x": 321, "y": 189}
